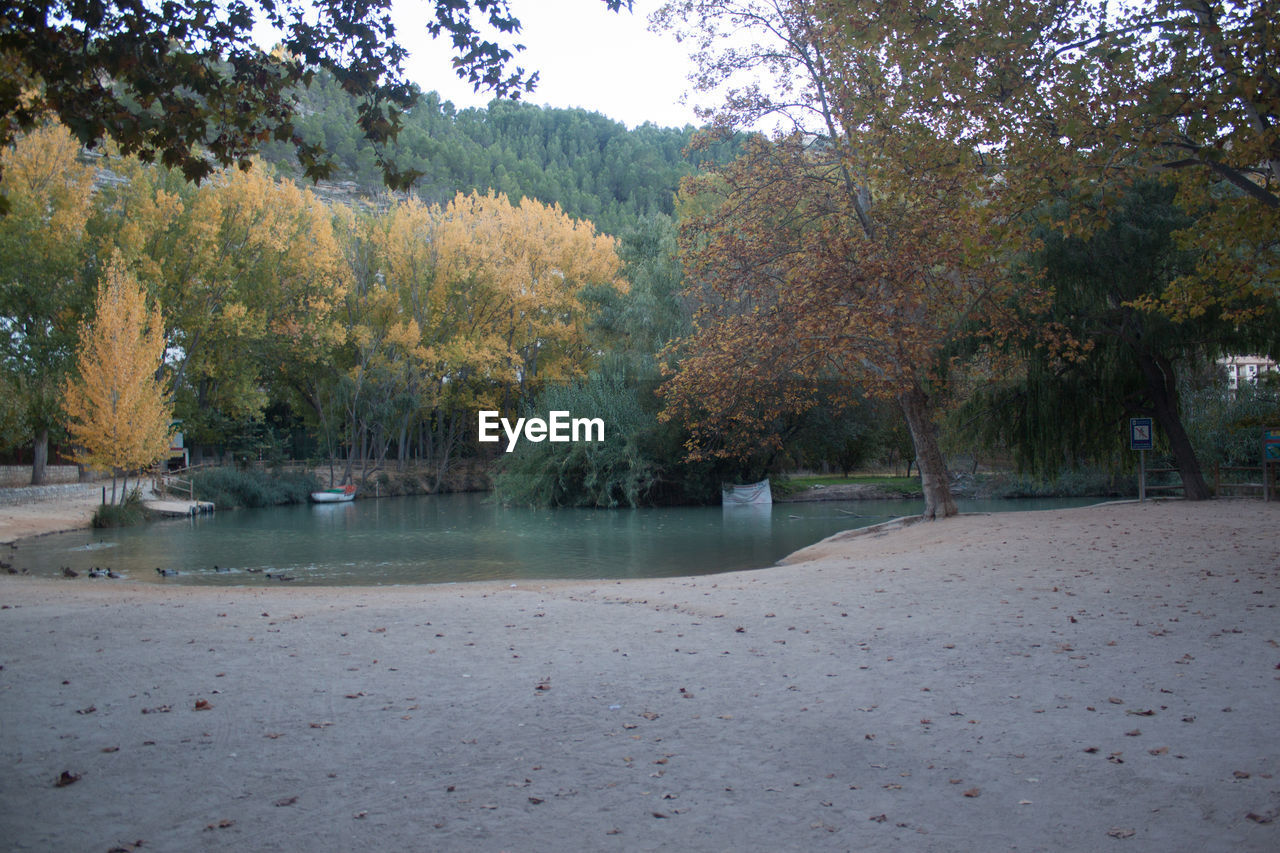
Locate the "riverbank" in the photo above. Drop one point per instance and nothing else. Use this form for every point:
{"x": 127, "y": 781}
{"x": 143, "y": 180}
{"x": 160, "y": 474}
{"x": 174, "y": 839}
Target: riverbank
{"x": 1060, "y": 680}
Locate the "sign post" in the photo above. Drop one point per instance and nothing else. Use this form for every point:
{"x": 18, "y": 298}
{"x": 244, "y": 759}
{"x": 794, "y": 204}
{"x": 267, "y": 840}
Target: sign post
{"x": 1140, "y": 439}
{"x": 1270, "y": 456}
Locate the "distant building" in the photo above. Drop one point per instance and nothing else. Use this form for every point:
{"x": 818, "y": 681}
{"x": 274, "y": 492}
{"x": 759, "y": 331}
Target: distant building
{"x": 1242, "y": 369}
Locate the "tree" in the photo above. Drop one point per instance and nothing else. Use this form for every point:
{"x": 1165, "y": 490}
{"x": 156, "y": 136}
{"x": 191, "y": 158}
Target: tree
{"x": 1108, "y": 357}
{"x": 848, "y": 247}
{"x": 180, "y": 81}
{"x": 42, "y": 296}
{"x": 1068, "y": 98}
{"x": 118, "y": 411}
{"x": 250, "y": 273}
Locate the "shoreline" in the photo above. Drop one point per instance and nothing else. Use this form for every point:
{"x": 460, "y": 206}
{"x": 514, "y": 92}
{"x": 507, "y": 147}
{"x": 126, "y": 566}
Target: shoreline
{"x": 1047, "y": 680}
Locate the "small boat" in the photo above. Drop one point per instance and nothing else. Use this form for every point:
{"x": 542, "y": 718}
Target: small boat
{"x": 334, "y": 495}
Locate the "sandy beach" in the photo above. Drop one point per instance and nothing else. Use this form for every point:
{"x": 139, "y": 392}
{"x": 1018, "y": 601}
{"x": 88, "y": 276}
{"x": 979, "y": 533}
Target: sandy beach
{"x": 72, "y": 510}
{"x": 1104, "y": 678}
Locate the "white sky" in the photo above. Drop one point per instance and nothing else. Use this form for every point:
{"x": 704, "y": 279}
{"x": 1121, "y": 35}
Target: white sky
{"x": 587, "y": 57}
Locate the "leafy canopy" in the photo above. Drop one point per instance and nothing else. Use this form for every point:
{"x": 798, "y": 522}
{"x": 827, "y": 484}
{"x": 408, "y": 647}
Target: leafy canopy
{"x": 179, "y": 80}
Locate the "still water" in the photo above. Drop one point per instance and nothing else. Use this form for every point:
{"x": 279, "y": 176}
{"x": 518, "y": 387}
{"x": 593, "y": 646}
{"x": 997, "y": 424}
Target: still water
{"x": 463, "y": 537}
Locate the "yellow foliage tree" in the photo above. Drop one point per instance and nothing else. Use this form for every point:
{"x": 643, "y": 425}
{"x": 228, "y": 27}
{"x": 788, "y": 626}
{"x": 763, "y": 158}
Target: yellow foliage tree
{"x": 119, "y": 415}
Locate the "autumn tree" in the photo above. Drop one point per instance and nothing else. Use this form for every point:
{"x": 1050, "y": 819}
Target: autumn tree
{"x": 1081, "y": 97}
{"x": 845, "y": 247}
{"x": 514, "y": 277}
{"x": 42, "y": 296}
{"x": 119, "y": 415}
{"x": 251, "y": 276}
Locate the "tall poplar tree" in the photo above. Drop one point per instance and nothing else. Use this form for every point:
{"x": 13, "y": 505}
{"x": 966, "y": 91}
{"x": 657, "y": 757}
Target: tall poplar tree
{"x": 119, "y": 415}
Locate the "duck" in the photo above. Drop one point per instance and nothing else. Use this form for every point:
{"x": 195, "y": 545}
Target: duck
{"x": 96, "y": 572}
{"x": 113, "y": 574}
{"x": 69, "y": 572}
{"x": 166, "y": 573}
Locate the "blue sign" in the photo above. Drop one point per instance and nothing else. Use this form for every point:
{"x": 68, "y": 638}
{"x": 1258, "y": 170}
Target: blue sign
{"x": 1140, "y": 434}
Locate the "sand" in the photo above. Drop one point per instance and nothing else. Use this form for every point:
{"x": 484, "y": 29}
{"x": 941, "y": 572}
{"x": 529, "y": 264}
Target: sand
{"x": 71, "y": 510}
{"x": 1092, "y": 679}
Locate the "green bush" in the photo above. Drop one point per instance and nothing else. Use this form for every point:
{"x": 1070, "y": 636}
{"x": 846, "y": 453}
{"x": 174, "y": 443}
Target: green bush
{"x": 1069, "y": 483}
{"x": 128, "y": 512}
{"x": 1226, "y": 428}
{"x": 232, "y": 488}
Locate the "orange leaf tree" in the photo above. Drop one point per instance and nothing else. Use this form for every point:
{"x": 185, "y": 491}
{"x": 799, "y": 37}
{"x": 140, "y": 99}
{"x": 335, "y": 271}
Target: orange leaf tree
{"x": 853, "y": 245}
{"x": 119, "y": 415}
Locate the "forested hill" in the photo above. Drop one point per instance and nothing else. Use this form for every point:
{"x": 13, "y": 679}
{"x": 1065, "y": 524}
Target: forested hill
{"x": 592, "y": 166}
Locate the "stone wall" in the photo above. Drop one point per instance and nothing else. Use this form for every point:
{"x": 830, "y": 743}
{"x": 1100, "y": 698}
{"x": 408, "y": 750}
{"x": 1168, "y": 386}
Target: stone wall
{"x": 20, "y": 475}
{"x": 17, "y": 495}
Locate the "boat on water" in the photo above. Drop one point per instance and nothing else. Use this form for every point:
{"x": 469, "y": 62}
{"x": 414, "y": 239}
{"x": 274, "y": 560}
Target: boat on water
{"x": 335, "y": 495}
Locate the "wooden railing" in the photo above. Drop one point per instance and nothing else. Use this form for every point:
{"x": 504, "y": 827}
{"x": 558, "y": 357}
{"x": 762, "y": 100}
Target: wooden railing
{"x": 1222, "y": 488}
{"x": 1258, "y": 487}
{"x": 166, "y": 481}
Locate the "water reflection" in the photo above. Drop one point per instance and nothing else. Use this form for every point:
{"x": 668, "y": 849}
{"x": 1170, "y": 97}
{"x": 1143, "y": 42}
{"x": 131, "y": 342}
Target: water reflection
{"x": 446, "y": 538}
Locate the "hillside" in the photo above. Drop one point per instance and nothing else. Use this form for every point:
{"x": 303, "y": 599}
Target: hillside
{"x": 592, "y": 166}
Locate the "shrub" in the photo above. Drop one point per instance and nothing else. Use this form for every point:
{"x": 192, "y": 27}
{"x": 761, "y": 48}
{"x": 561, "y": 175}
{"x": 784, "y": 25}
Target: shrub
{"x": 231, "y": 488}
{"x": 128, "y": 512}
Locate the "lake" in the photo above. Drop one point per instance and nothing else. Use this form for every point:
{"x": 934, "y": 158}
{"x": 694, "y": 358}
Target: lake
{"x": 464, "y": 537}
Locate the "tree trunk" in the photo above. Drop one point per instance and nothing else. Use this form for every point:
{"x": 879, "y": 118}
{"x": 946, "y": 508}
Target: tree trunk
{"x": 933, "y": 468}
{"x": 39, "y": 457}
{"x": 1162, "y": 388}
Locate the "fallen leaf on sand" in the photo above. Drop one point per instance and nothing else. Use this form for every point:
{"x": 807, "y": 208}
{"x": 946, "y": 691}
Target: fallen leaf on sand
{"x": 88, "y": 710}
{"x": 203, "y": 705}
{"x": 67, "y": 778}
{"x": 159, "y": 709}
{"x": 879, "y": 818}
{"x": 1261, "y": 818}
{"x": 321, "y": 725}
{"x": 537, "y": 801}
{"x": 1090, "y": 749}
{"x": 360, "y": 815}
{"x": 1133, "y": 733}
{"x": 222, "y": 824}
{"x": 285, "y": 801}
{"x": 973, "y": 792}
{"x": 1240, "y": 774}
{"x": 1115, "y": 701}
{"x": 1159, "y": 750}
{"x": 1146, "y": 712}
{"x": 111, "y": 749}
{"x": 1120, "y": 832}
